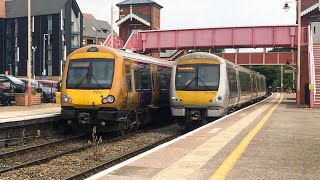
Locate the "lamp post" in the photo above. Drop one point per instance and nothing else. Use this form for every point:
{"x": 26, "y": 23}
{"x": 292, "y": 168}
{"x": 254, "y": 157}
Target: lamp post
{"x": 34, "y": 48}
{"x": 112, "y": 12}
{"x": 44, "y": 54}
{"x": 29, "y": 54}
{"x": 286, "y": 8}
{"x": 95, "y": 30}
{"x": 112, "y": 25}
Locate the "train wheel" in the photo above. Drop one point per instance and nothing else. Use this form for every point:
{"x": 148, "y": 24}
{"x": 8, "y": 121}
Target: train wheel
{"x": 122, "y": 129}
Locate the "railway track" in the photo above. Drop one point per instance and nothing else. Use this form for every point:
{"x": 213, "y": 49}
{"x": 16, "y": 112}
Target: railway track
{"x": 35, "y": 148}
{"x": 46, "y": 158}
{"x": 117, "y": 160}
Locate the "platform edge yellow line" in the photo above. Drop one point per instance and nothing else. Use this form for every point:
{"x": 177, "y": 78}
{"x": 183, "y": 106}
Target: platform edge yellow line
{"x": 232, "y": 159}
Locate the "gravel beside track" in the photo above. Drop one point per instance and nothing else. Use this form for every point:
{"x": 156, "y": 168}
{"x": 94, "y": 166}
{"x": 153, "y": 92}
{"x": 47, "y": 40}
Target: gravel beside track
{"x": 32, "y": 142}
{"x": 71, "y": 164}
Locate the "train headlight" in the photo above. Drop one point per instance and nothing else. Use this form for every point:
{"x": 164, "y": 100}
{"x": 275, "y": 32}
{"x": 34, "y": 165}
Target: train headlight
{"x": 64, "y": 98}
{"x": 110, "y": 99}
{"x": 219, "y": 98}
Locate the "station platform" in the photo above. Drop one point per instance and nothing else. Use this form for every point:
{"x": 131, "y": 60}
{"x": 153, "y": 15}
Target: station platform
{"x": 23, "y": 115}
{"x": 269, "y": 140}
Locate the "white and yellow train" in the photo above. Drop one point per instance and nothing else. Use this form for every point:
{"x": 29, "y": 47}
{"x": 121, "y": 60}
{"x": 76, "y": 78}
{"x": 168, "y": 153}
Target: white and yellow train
{"x": 205, "y": 86}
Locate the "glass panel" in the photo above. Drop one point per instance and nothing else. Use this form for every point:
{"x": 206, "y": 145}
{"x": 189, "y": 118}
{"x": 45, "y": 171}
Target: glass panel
{"x": 49, "y": 70}
{"x": 128, "y": 76}
{"x": 208, "y": 76}
{"x": 145, "y": 80}
{"x": 49, "y": 54}
{"x": 50, "y": 23}
{"x": 90, "y": 73}
{"x": 185, "y": 77}
{"x": 198, "y": 77}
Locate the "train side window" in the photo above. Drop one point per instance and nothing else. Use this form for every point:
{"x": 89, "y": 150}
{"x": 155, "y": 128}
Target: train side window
{"x": 137, "y": 79}
{"x": 145, "y": 80}
{"x": 128, "y": 76}
{"x": 232, "y": 78}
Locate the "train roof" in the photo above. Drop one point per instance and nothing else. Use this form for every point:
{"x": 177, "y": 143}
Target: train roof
{"x": 200, "y": 55}
{"x": 145, "y": 59}
{"x": 204, "y": 55}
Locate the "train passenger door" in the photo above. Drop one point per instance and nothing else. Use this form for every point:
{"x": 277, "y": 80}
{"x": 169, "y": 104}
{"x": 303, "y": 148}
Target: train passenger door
{"x": 155, "y": 90}
{"x": 143, "y": 84}
{"x": 131, "y": 101}
{"x": 233, "y": 86}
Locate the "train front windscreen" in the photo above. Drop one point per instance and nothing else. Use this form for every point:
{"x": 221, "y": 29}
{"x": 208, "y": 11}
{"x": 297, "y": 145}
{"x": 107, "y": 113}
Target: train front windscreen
{"x": 90, "y": 74}
{"x": 198, "y": 77}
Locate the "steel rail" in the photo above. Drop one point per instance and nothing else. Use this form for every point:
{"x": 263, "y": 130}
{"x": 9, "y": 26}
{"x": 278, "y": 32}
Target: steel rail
{"x": 109, "y": 163}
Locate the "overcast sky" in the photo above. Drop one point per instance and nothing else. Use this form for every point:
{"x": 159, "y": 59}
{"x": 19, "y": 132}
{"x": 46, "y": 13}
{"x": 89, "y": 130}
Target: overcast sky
{"x": 179, "y": 14}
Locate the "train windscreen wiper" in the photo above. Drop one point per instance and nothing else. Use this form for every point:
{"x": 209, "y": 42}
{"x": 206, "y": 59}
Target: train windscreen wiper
{"x": 82, "y": 79}
{"x": 187, "y": 85}
{"x": 204, "y": 84}
{"x": 95, "y": 79}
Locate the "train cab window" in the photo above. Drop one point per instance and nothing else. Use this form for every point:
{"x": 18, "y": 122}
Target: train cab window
{"x": 204, "y": 77}
{"x": 128, "y": 77}
{"x": 145, "y": 80}
{"x": 90, "y": 73}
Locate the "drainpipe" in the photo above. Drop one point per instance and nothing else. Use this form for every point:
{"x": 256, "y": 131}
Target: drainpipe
{"x": 151, "y": 15}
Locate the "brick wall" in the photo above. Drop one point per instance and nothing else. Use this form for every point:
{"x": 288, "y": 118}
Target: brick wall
{"x": 144, "y": 10}
{"x": 155, "y": 17}
{"x": 304, "y": 70}
{"x": 2, "y": 8}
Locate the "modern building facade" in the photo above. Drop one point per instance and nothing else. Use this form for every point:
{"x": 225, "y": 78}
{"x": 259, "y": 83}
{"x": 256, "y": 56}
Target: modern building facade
{"x": 56, "y": 32}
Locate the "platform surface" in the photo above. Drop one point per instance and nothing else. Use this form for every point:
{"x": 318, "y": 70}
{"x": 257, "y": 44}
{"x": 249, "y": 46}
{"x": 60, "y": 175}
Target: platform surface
{"x": 270, "y": 140}
{"x": 20, "y": 113}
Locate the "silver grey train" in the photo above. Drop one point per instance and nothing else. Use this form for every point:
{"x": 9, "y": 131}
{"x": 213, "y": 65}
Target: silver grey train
{"x": 205, "y": 87}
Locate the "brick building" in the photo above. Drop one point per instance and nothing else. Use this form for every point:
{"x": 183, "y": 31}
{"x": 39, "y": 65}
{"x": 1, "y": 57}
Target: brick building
{"x": 310, "y": 15}
{"x": 138, "y": 15}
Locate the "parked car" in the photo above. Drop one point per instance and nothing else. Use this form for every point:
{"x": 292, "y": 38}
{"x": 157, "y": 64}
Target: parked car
{"x": 9, "y": 85}
{"x": 47, "y": 94}
{"x": 54, "y": 85}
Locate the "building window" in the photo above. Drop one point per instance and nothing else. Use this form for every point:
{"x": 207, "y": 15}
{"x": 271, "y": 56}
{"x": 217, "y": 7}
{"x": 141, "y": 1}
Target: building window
{"x": 90, "y": 41}
{"x": 16, "y": 54}
{"x": 49, "y": 23}
{"x": 49, "y": 69}
{"x": 16, "y": 41}
{"x": 16, "y": 26}
{"x": 72, "y": 27}
{"x": 49, "y": 54}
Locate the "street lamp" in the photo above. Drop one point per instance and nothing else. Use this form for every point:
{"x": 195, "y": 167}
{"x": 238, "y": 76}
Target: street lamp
{"x": 112, "y": 12}
{"x": 29, "y": 54}
{"x": 44, "y": 53}
{"x": 34, "y": 48}
{"x": 286, "y": 8}
{"x": 95, "y": 30}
